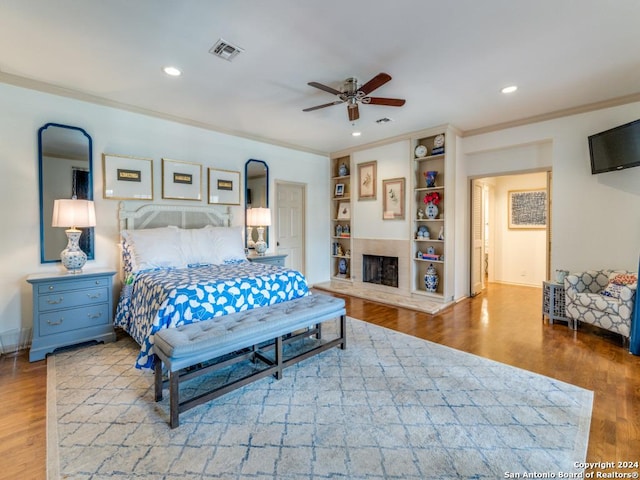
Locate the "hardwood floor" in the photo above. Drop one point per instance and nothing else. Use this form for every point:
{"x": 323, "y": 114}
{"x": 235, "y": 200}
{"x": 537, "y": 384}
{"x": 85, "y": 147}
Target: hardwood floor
{"x": 504, "y": 324}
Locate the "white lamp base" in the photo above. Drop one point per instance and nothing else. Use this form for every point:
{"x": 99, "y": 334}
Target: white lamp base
{"x": 73, "y": 258}
{"x": 261, "y": 245}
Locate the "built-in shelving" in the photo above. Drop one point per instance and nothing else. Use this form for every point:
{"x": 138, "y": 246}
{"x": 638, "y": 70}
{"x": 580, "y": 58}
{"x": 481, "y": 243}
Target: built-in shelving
{"x": 341, "y": 210}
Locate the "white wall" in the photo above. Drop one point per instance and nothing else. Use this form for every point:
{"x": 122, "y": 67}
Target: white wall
{"x": 392, "y": 162}
{"x": 23, "y": 111}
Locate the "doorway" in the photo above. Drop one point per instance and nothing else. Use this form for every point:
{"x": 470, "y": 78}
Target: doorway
{"x": 290, "y": 223}
{"x": 503, "y": 251}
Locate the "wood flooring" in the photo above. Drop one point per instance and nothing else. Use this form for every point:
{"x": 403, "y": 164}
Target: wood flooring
{"x": 504, "y": 323}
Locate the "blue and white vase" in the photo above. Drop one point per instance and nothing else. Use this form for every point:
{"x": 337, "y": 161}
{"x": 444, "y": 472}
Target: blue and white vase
{"x": 431, "y": 279}
{"x": 343, "y": 171}
{"x": 432, "y": 210}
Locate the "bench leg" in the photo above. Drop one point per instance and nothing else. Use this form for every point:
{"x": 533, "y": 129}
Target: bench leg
{"x": 278, "y": 358}
{"x": 174, "y": 399}
{"x": 343, "y": 331}
{"x": 157, "y": 377}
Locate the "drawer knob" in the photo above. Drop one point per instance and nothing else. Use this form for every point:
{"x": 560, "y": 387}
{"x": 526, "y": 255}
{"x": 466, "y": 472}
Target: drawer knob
{"x": 94, "y": 315}
{"x": 51, "y": 287}
{"x": 59, "y": 322}
{"x": 55, "y": 302}
{"x": 93, "y": 296}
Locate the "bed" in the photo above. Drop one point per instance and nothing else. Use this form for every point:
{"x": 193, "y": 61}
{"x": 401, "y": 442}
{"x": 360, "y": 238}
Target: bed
{"x": 182, "y": 265}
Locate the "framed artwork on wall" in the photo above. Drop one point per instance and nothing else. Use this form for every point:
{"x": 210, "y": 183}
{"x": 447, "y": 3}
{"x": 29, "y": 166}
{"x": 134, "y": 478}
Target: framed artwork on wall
{"x": 367, "y": 180}
{"x": 393, "y": 202}
{"x": 126, "y": 177}
{"x": 224, "y": 187}
{"x": 527, "y": 209}
{"x": 181, "y": 180}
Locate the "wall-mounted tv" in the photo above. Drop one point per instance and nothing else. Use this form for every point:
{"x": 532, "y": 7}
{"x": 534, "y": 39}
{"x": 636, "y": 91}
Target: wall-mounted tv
{"x": 616, "y": 148}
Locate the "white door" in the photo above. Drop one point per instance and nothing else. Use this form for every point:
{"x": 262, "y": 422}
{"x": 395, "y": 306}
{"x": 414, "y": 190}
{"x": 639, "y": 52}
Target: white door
{"x": 477, "y": 237}
{"x": 290, "y": 221}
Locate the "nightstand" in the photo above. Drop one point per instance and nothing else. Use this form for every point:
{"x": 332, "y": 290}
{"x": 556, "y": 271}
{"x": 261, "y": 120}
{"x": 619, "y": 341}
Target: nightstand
{"x": 269, "y": 259}
{"x": 69, "y": 309}
{"x": 553, "y": 303}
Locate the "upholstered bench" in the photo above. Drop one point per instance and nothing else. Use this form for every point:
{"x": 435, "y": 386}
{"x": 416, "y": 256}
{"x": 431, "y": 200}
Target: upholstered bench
{"x": 248, "y": 335}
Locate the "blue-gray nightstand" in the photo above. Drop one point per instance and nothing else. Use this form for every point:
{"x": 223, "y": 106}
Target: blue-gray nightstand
{"x": 269, "y": 258}
{"x": 70, "y": 309}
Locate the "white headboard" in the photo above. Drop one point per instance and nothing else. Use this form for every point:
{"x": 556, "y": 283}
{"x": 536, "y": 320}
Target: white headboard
{"x": 154, "y": 215}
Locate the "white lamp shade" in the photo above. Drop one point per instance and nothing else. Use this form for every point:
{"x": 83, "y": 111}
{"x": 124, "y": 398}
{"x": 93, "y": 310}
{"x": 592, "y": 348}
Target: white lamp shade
{"x": 259, "y": 217}
{"x": 73, "y": 213}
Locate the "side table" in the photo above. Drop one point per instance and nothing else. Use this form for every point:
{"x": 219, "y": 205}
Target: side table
{"x": 553, "y": 302}
{"x": 269, "y": 258}
{"x": 69, "y": 309}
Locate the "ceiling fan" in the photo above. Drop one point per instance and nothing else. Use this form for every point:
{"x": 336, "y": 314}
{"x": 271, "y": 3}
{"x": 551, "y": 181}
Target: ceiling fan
{"x": 352, "y": 95}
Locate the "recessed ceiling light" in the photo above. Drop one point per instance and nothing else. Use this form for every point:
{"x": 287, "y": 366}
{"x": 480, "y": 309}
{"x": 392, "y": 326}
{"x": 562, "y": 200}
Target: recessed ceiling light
{"x": 172, "y": 71}
{"x": 356, "y": 134}
{"x": 509, "y": 89}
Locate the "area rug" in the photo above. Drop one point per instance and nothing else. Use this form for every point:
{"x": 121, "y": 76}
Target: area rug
{"x": 390, "y": 406}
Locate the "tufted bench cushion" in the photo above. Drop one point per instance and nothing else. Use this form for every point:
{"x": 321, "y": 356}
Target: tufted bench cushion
{"x": 201, "y": 341}
{"x": 178, "y": 349}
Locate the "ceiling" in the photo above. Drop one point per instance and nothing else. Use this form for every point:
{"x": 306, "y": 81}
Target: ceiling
{"x": 448, "y": 59}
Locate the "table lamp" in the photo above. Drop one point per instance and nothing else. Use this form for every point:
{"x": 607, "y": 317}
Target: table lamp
{"x": 70, "y": 214}
{"x": 260, "y": 218}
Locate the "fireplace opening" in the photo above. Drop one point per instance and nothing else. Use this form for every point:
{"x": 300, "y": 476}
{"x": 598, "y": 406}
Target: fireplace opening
{"x": 380, "y": 270}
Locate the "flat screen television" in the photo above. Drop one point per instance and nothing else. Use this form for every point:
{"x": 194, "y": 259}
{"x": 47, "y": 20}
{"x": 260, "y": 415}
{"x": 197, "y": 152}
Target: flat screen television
{"x": 616, "y": 148}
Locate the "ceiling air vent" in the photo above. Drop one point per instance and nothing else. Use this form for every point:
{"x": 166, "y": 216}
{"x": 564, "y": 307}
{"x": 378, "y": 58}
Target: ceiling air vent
{"x": 225, "y": 50}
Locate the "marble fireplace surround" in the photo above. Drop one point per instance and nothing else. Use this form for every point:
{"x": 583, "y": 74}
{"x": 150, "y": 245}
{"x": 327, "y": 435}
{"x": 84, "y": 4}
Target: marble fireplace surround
{"x": 385, "y": 248}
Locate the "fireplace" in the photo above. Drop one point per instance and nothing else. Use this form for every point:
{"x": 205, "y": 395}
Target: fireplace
{"x": 380, "y": 270}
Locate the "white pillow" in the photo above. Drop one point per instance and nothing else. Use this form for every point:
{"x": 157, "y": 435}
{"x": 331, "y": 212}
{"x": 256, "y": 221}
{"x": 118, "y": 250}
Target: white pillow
{"x": 198, "y": 248}
{"x": 154, "y": 248}
{"x": 228, "y": 243}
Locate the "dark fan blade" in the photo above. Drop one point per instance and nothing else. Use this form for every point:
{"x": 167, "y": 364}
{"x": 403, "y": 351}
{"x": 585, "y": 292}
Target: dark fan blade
{"x": 392, "y": 102}
{"x": 354, "y": 113}
{"x": 322, "y": 106}
{"x": 375, "y": 82}
{"x": 325, "y": 88}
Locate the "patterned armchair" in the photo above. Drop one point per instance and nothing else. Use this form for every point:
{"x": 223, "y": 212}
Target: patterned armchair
{"x": 603, "y": 298}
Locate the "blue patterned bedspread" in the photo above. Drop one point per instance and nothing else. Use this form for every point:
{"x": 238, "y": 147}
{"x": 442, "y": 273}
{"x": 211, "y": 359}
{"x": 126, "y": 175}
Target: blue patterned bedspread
{"x": 171, "y": 297}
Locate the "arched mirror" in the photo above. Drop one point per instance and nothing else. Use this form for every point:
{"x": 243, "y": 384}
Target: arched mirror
{"x": 64, "y": 158}
{"x": 256, "y": 194}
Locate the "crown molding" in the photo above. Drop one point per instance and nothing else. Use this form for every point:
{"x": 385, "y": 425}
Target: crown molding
{"x": 52, "y": 89}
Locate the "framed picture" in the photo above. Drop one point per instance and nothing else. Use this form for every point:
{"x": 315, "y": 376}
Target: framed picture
{"x": 339, "y": 190}
{"x": 393, "y": 202}
{"x": 181, "y": 180}
{"x": 224, "y": 187}
{"x": 344, "y": 211}
{"x": 527, "y": 208}
{"x": 367, "y": 180}
{"x": 127, "y": 178}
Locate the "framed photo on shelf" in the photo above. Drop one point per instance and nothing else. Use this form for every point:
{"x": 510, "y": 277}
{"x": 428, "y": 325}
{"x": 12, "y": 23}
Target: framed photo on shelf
{"x": 339, "y": 192}
{"x": 393, "y": 202}
{"x": 367, "y": 180}
{"x": 127, "y": 178}
{"x": 527, "y": 209}
{"x": 344, "y": 211}
{"x": 224, "y": 187}
{"x": 181, "y": 180}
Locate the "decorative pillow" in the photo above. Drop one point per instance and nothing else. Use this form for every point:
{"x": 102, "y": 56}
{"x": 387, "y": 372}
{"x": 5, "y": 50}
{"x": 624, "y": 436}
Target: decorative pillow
{"x": 154, "y": 248}
{"x": 625, "y": 279}
{"x": 228, "y": 243}
{"x": 197, "y": 247}
{"x": 612, "y": 290}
